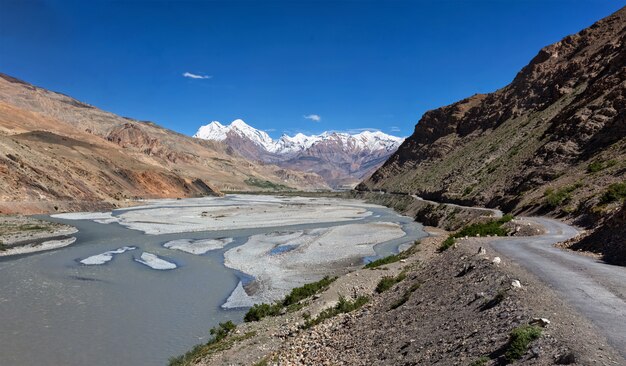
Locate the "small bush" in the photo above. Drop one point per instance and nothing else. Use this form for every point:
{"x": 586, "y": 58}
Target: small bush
{"x": 519, "y": 341}
{"x": 615, "y": 192}
{"x": 308, "y": 290}
{"x": 597, "y": 166}
{"x": 343, "y": 306}
{"x": 260, "y": 311}
{"x": 291, "y": 301}
{"x": 493, "y": 227}
{"x": 221, "y": 331}
{"x": 387, "y": 282}
{"x": 561, "y": 196}
{"x": 447, "y": 243}
{"x": 394, "y": 257}
{"x": 217, "y": 343}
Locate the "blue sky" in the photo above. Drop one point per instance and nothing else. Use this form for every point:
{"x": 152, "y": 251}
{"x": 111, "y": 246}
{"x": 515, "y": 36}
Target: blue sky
{"x": 354, "y": 64}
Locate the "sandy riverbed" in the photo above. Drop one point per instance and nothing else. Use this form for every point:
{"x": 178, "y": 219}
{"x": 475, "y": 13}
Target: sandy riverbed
{"x": 280, "y": 261}
{"x": 235, "y": 212}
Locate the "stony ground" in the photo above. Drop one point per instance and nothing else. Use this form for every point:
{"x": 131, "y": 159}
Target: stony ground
{"x": 463, "y": 310}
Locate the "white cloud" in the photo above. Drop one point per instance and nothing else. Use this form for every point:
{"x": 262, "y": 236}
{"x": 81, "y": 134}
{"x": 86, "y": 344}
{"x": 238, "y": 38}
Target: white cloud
{"x": 394, "y": 129}
{"x": 196, "y": 76}
{"x": 313, "y": 117}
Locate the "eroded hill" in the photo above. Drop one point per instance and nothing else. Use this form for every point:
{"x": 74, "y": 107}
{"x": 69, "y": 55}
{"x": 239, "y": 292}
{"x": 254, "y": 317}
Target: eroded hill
{"x": 59, "y": 153}
{"x": 551, "y": 142}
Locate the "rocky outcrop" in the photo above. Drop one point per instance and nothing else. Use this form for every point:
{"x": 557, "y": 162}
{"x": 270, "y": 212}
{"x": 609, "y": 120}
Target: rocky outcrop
{"x": 609, "y": 239}
{"x": 551, "y": 141}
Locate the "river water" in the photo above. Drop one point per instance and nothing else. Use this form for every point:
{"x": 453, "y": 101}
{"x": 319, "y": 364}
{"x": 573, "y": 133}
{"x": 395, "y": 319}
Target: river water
{"x": 56, "y": 311}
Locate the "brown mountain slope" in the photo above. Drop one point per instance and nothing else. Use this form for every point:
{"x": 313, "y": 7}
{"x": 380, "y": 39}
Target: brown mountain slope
{"x": 552, "y": 141}
{"x": 58, "y": 152}
{"x": 564, "y": 111}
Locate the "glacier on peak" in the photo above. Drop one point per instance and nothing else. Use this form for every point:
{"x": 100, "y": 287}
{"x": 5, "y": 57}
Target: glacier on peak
{"x": 366, "y": 140}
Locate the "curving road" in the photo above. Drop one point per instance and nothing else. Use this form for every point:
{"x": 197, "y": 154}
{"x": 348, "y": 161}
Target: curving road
{"x": 597, "y": 290}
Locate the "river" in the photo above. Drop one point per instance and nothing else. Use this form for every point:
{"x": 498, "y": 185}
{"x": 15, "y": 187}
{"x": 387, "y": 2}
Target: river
{"x": 55, "y": 310}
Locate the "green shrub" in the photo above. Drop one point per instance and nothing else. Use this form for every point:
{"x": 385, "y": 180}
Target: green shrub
{"x": 394, "y": 257}
{"x": 260, "y": 311}
{"x": 493, "y": 228}
{"x": 615, "y": 192}
{"x": 561, "y": 196}
{"x": 343, "y": 306}
{"x": 266, "y": 184}
{"x": 291, "y": 301}
{"x": 597, "y": 166}
{"x": 387, "y": 282}
{"x": 217, "y": 343}
{"x": 519, "y": 341}
{"x": 308, "y": 290}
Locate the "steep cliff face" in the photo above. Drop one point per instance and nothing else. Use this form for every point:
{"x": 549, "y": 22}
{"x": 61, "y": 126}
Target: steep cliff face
{"x": 551, "y": 141}
{"x": 57, "y": 152}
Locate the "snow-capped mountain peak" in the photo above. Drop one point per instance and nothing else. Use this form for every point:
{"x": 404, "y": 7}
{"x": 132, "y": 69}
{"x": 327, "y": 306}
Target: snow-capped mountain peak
{"x": 342, "y": 159}
{"x": 218, "y": 132}
{"x": 366, "y": 140}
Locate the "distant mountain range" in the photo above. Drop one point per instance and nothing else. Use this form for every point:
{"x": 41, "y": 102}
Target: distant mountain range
{"x": 59, "y": 153}
{"x": 342, "y": 159}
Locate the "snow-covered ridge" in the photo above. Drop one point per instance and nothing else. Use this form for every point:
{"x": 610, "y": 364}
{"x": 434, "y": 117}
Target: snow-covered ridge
{"x": 366, "y": 140}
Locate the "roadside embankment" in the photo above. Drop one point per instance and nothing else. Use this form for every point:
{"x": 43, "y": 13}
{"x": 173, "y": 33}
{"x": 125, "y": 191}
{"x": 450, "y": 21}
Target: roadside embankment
{"x": 446, "y": 216}
{"x": 460, "y": 306}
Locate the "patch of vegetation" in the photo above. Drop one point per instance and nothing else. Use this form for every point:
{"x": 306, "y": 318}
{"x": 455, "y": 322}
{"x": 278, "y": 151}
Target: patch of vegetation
{"x": 406, "y": 296}
{"x": 615, "y": 192}
{"x": 519, "y": 341}
{"x": 308, "y": 290}
{"x": 266, "y": 184}
{"x": 480, "y": 362}
{"x": 260, "y": 311}
{"x": 219, "y": 342}
{"x": 597, "y": 166}
{"x": 387, "y": 282}
{"x": 493, "y": 228}
{"x": 468, "y": 190}
{"x": 291, "y": 301}
{"x": 394, "y": 257}
{"x": 560, "y": 196}
{"x": 343, "y": 306}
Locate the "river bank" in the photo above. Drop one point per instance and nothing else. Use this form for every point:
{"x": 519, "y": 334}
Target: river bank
{"x": 23, "y": 234}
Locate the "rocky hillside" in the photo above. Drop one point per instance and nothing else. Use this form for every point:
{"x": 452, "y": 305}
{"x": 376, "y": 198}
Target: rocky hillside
{"x": 553, "y": 141}
{"x": 341, "y": 159}
{"x": 59, "y": 153}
